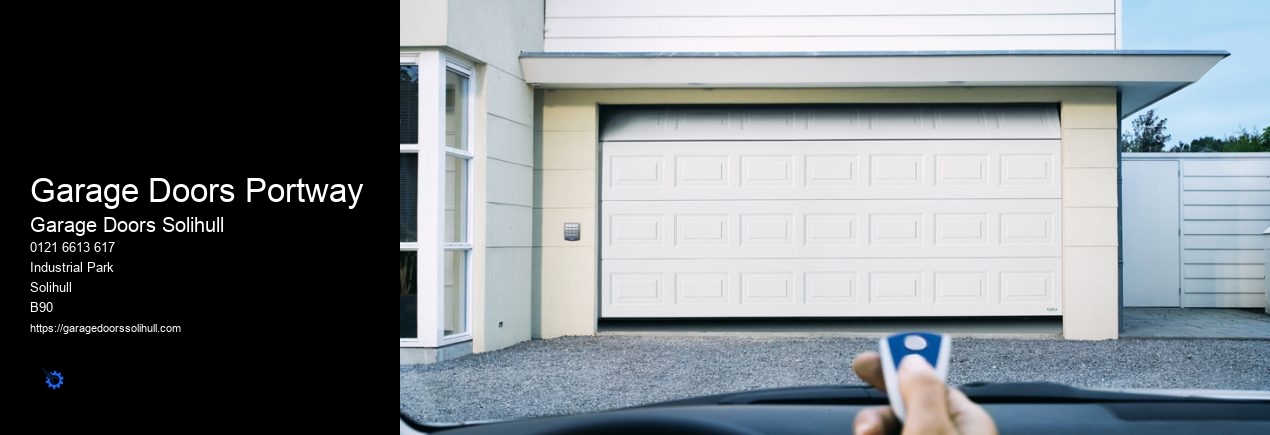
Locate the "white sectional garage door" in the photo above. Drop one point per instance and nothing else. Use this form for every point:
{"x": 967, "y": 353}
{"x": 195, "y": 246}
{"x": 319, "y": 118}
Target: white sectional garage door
{"x": 830, "y": 211}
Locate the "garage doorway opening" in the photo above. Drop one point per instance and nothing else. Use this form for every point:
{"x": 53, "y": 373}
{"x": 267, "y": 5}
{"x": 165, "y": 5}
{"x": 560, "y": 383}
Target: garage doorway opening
{"x": 830, "y": 211}
{"x": 979, "y": 327}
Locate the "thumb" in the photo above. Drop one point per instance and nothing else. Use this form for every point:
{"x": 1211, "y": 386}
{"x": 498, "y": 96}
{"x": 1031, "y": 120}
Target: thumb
{"x": 925, "y": 398}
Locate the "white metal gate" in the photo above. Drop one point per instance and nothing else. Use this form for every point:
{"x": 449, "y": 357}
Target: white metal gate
{"x": 1221, "y": 204}
{"x": 1150, "y": 201}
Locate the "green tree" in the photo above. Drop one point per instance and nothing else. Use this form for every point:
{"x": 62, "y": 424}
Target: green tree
{"x": 1146, "y": 136}
{"x": 1246, "y": 142}
{"x": 1204, "y": 144}
{"x": 1240, "y": 142}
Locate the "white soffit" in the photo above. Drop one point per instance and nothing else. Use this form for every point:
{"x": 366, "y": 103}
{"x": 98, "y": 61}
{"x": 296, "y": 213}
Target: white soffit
{"x": 1143, "y": 77}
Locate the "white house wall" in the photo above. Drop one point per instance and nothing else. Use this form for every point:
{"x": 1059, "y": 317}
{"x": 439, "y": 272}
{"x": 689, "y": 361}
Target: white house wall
{"x": 810, "y": 25}
{"x": 495, "y": 32}
{"x": 491, "y": 34}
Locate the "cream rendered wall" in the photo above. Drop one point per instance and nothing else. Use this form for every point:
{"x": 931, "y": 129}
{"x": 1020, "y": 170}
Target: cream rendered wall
{"x": 491, "y": 34}
{"x": 566, "y": 166}
{"x": 1091, "y": 288}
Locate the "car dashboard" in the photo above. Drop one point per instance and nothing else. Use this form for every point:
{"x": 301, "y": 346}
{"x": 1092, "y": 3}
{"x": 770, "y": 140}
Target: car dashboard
{"x": 1016, "y": 408}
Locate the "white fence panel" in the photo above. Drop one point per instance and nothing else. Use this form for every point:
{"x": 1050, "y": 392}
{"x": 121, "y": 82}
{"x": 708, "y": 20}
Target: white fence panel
{"x": 1224, "y": 207}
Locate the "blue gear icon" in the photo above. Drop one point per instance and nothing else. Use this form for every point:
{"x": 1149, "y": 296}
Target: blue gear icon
{"x": 50, "y": 383}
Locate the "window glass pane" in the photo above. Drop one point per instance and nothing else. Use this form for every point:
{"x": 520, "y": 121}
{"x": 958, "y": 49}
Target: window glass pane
{"x": 409, "y": 200}
{"x": 409, "y": 104}
{"x": 455, "y": 292}
{"x": 409, "y": 295}
{"x": 455, "y": 199}
{"x": 455, "y": 110}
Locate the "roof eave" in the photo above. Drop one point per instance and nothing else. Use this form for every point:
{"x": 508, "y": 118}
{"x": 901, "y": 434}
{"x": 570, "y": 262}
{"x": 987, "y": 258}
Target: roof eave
{"x": 1143, "y": 77}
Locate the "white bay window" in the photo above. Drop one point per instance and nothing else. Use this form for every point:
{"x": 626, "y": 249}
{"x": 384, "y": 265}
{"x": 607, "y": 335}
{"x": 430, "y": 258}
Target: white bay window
{"x": 435, "y": 202}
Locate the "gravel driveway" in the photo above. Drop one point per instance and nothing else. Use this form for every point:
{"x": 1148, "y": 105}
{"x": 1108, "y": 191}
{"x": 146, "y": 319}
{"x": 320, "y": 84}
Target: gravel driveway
{"x": 581, "y": 374}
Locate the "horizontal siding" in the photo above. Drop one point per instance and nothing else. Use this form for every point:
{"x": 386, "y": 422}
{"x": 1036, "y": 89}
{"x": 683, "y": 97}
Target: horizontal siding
{"x": 1223, "y": 300}
{"x": 1224, "y": 256}
{"x": 1223, "y": 197}
{"x": 1243, "y": 241}
{"x": 809, "y": 25}
{"x": 852, "y": 43}
{"x": 1228, "y": 285}
{"x": 1254, "y": 167}
{"x": 1225, "y": 271}
{"x": 929, "y": 25}
{"x": 1226, "y": 227}
{"x": 1225, "y": 208}
{"x": 707, "y": 8}
{"x": 1227, "y": 212}
{"x": 1227, "y": 183}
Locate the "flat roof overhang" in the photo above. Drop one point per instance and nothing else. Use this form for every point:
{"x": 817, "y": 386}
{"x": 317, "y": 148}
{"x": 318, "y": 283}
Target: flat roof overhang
{"x": 1143, "y": 77}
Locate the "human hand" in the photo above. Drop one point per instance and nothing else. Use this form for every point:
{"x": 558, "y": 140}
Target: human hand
{"x": 932, "y": 407}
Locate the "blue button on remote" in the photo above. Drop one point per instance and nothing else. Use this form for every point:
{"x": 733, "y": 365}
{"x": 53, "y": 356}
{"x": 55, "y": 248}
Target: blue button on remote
{"x": 930, "y": 346}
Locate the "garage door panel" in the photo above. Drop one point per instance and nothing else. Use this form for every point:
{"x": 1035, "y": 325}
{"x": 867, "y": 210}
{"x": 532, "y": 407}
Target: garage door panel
{"x": 637, "y": 288}
{"x": 831, "y": 170}
{"x": 877, "y": 121}
{"x": 897, "y": 170}
{"x": 635, "y": 171}
{"x": 831, "y": 287}
{"x": 884, "y": 210}
{"x": 831, "y": 229}
{"x": 961, "y": 170}
{"x": 1034, "y": 169}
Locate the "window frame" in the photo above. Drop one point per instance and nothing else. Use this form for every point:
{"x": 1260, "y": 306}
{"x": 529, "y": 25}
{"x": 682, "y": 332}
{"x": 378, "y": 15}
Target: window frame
{"x": 430, "y": 244}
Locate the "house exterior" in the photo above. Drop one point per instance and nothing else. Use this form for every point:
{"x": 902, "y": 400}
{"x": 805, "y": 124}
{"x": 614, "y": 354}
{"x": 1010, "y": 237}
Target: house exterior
{"x": 569, "y": 160}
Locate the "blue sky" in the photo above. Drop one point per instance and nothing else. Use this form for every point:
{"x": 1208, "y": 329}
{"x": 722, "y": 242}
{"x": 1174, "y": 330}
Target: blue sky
{"x": 1236, "y": 92}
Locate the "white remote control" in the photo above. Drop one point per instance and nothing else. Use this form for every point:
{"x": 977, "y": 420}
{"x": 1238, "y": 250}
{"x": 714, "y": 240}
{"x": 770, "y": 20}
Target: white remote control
{"x": 933, "y": 347}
